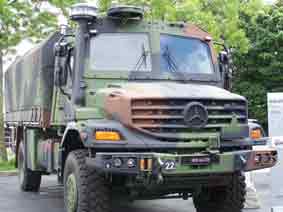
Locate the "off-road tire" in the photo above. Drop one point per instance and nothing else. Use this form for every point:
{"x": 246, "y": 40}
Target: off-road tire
{"x": 92, "y": 193}
{"x": 222, "y": 199}
{"x": 29, "y": 180}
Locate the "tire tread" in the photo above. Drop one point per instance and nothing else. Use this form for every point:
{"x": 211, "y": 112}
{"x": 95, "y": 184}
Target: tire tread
{"x": 231, "y": 198}
{"x": 94, "y": 191}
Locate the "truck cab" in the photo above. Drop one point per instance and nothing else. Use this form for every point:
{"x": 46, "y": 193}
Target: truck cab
{"x": 135, "y": 109}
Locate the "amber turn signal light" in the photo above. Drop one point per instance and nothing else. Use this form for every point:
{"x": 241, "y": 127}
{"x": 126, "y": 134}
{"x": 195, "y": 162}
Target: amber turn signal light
{"x": 107, "y": 136}
{"x": 146, "y": 164}
{"x": 256, "y": 134}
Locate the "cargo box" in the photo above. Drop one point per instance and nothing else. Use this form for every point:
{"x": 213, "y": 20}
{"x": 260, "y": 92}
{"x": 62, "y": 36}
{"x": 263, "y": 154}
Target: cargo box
{"x": 29, "y": 85}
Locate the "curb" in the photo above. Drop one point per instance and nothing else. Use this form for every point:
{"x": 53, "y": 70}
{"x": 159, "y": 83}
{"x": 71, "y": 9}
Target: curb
{"x": 8, "y": 173}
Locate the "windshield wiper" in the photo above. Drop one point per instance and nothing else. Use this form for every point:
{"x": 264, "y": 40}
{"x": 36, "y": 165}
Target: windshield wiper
{"x": 172, "y": 65}
{"x": 142, "y": 59}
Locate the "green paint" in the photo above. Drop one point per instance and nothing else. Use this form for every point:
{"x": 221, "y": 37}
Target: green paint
{"x": 88, "y": 113}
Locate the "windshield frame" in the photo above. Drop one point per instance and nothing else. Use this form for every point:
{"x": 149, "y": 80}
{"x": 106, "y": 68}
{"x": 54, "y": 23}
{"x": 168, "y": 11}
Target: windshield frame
{"x": 156, "y": 73}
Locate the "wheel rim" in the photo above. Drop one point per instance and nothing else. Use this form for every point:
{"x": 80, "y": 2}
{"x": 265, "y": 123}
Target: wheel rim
{"x": 71, "y": 188}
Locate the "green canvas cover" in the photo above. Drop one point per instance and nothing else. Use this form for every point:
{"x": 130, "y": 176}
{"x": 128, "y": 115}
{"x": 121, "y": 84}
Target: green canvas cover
{"x": 29, "y": 81}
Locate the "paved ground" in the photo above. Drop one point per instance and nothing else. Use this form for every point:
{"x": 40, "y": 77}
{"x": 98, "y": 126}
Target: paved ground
{"x": 50, "y": 199}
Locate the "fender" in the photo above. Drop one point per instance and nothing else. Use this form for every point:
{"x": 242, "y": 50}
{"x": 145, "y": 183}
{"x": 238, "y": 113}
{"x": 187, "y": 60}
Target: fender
{"x": 70, "y": 141}
{"x": 71, "y": 128}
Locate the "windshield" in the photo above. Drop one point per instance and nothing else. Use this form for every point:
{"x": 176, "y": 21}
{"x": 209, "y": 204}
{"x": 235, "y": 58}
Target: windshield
{"x": 186, "y": 55}
{"x": 120, "y": 52}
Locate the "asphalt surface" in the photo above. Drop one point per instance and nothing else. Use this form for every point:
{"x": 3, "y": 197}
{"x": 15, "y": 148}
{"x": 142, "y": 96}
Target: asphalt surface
{"x": 50, "y": 198}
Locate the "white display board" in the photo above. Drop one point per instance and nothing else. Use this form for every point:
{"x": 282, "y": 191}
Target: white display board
{"x": 277, "y": 209}
{"x": 277, "y": 171}
{"x": 275, "y": 128}
{"x": 275, "y": 114}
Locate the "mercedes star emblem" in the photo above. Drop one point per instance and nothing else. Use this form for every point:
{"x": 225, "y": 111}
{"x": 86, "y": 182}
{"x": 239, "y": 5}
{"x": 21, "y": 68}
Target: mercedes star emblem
{"x": 195, "y": 115}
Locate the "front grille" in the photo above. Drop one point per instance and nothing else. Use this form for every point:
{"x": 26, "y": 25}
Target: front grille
{"x": 164, "y": 117}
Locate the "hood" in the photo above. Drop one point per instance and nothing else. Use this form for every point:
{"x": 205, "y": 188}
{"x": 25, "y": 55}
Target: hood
{"x": 116, "y": 98}
{"x": 138, "y": 90}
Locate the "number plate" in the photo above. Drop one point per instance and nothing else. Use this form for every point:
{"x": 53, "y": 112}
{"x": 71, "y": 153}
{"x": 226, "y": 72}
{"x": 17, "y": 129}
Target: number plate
{"x": 196, "y": 160}
{"x": 169, "y": 165}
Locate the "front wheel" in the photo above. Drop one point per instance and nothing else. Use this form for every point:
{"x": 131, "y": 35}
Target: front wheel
{"x": 222, "y": 199}
{"x": 29, "y": 180}
{"x": 84, "y": 190}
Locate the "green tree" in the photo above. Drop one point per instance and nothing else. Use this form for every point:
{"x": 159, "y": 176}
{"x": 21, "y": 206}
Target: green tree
{"x": 260, "y": 70}
{"x": 18, "y": 20}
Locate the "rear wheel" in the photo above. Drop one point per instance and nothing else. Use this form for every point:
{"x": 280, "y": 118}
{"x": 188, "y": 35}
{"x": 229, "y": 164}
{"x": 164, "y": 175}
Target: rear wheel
{"x": 29, "y": 180}
{"x": 84, "y": 190}
{"x": 222, "y": 199}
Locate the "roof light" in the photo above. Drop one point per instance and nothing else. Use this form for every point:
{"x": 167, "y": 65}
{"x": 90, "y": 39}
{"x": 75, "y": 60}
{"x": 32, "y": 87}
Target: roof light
{"x": 84, "y": 11}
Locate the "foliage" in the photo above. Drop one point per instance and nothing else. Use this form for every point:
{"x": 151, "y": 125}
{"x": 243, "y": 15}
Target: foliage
{"x": 20, "y": 20}
{"x": 7, "y": 166}
{"x": 260, "y": 70}
{"x": 62, "y": 4}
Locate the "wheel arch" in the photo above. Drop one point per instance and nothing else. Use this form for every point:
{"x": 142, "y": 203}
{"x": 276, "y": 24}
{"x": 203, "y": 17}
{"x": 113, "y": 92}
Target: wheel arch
{"x": 70, "y": 141}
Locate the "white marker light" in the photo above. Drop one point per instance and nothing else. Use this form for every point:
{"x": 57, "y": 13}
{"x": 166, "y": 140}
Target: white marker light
{"x": 131, "y": 163}
{"x": 117, "y": 162}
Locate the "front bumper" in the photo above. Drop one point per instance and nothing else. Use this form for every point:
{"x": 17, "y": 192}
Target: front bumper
{"x": 159, "y": 164}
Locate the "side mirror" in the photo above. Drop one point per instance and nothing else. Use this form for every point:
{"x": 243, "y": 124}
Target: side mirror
{"x": 223, "y": 62}
{"x": 223, "y": 57}
{"x": 61, "y": 73}
{"x": 225, "y": 69}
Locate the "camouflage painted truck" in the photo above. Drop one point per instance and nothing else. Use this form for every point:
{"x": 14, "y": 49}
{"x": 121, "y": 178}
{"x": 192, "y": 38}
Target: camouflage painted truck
{"x": 124, "y": 108}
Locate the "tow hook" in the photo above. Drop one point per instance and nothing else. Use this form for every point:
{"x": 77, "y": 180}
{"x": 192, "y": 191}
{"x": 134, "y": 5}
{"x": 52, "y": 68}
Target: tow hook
{"x": 160, "y": 178}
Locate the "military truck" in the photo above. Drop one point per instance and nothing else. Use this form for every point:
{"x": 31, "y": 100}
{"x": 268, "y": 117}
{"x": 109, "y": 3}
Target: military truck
{"x": 125, "y": 108}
